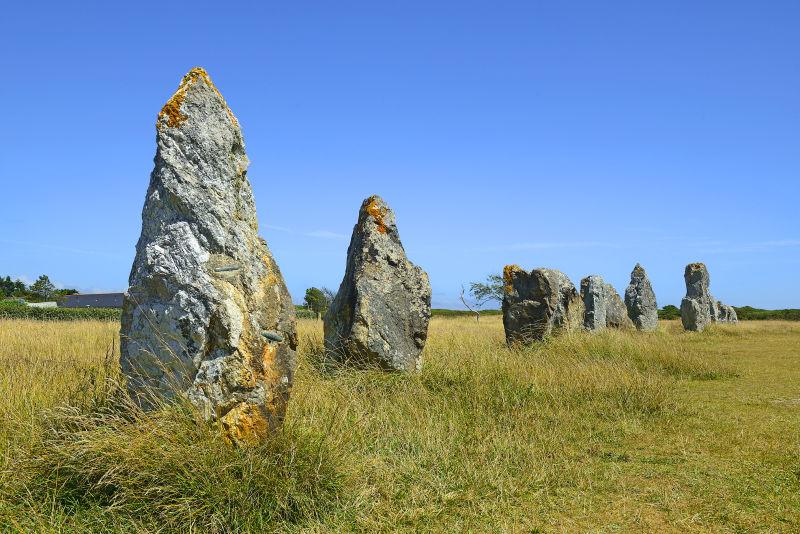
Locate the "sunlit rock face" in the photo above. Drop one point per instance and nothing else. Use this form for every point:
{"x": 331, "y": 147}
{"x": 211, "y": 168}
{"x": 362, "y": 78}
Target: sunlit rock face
{"x": 207, "y": 314}
{"x": 379, "y": 317}
{"x": 538, "y": 304}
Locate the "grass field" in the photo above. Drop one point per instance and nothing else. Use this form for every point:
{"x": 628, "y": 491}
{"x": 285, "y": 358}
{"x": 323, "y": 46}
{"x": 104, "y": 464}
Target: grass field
{"x": 663, "y": 432}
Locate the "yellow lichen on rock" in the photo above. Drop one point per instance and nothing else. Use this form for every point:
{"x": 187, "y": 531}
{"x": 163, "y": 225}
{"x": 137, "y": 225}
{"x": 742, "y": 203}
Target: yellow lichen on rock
{"x": 245, "y": 424}
{"x": 378, "y": 212}
{"x": 508, "y": 277}
{"x": 172, "y": 109}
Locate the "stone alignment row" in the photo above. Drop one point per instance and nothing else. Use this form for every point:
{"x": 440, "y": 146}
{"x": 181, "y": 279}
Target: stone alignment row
{"x": 544, "y": 302}
{"x": 208, "y": 318}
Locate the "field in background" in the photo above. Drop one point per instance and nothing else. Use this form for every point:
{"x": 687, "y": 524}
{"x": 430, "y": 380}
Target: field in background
{"x": 611, "y": 432}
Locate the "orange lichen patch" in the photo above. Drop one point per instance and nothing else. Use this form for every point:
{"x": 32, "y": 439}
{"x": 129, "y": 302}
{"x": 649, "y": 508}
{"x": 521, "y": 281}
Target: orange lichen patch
{"x": 508, "y": 277}
{"x": 378, "y": 213}
{"x": 172, "y": 109}
{"x": 268, "y": 372}
{"x": 245, "y": 424}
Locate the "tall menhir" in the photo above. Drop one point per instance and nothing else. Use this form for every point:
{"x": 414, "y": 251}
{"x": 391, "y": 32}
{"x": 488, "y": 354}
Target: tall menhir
{"x": 207, "y": 315}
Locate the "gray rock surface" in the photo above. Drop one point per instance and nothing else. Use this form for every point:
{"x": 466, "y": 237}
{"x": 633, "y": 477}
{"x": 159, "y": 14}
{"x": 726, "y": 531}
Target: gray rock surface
{"x": 713, "y": 308}
{"x": 640, "y": 300}
{"x": 698, "y": 307}
{"x": 727, "y": 314}
{"x": 381, "y": 312}
{"x": 616, "y": 312}
{"x": 593, "y": 295}
{"x": 207, "y": 314}
{"x": 538, "y": 304}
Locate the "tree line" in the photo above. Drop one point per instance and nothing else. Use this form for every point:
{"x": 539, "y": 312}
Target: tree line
{"x": 40, "y": 291}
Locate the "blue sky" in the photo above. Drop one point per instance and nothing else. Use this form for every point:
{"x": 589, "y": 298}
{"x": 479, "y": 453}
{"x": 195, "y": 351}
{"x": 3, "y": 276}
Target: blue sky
{"x": 578, "y": 135}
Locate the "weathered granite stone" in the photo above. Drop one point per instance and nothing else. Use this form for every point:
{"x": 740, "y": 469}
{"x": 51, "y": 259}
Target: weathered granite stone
{"x": 538, "y": 304}
{"x": 698, "y": 307}
{"x": 207, "y": 315}
{"x": 713, "y": 308}
{"x": 381, "y": 312}
{"x": 593, "y": 295}
{"x": 616, "y": 313}
{"x": 727, "y": 314}
{"x": 641, "y": 301}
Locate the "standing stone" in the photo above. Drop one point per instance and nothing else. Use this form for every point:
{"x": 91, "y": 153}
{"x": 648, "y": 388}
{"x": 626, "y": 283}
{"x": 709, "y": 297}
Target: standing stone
{"x": 713, "y": 308}
{"x": 641, "y": 301}
{"x": 698, "y": 307}
{"x": 380, "y": 314}
{"x": 616, "y": 313}
{"x": 538, "y": 304}
{"x": 727, "y": 314}
{"x": 593, "y": 295}
{"x": 207, "y": 315}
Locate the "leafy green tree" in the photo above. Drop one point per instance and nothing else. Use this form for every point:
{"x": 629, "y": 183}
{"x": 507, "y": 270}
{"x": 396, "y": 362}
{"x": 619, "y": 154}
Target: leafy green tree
{"x": 484, "y": 292}
{"x": 43, "y": 287}
{"x": 316, "y": 301}
{"x": 6, "y": 286}
{"x": 669, "y": 312}
{"x": 19, "y": 287}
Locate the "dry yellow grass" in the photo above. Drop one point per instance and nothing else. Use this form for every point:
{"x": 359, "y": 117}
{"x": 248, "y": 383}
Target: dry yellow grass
{"x": 621, "y": 431}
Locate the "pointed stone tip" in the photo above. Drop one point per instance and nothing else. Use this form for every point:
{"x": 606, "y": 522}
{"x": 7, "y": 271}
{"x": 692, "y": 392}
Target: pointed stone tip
{"x": 373, "y": 199}
{"x": 171, "y": 114}
{"x": 377, "y": 209}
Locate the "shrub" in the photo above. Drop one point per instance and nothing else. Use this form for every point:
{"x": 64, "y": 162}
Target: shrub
{"x": 15, "y": 310}
{"x": 748, "y": 313}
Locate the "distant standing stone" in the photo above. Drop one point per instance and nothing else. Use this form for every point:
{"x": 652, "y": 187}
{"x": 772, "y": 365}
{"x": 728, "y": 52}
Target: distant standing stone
{"x": 381, "y": 312}
{"x": 616, "y": 312}
{"x": 538, "y": 304}
{"x": 207, "y": 315}
{"x": 727, "y": 314}
{"x": 640, "y": 300}
{"x": 698, "y": 307}
{"x": 593, "y": 295}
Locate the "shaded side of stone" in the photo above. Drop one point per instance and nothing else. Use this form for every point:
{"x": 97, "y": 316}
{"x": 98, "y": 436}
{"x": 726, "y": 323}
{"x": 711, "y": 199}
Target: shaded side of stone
{"x": 381, "y": 312}
{"x": 538, "y": 304}
{"x": 616, "y": 312}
